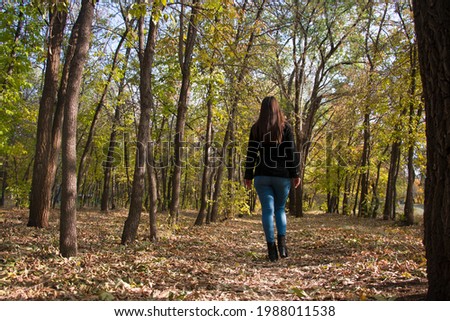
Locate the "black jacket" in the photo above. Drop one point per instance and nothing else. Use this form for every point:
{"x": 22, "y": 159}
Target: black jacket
{"x": 272, "y": 159}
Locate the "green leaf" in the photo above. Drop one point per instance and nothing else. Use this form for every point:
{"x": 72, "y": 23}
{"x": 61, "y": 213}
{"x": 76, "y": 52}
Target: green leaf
{"x": 300, "y": 293}
{"x": 106, "y": 296}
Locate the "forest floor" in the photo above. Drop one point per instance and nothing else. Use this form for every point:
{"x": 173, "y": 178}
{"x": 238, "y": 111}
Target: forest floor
{"x": 331, "y": 257}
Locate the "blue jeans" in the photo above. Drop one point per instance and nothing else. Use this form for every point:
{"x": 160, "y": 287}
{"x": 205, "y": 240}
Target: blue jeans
{"x": 273, "y": 192}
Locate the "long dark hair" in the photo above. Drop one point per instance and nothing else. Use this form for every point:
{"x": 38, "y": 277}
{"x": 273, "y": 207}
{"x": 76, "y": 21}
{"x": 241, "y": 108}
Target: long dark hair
{"x": 270, "y": 124}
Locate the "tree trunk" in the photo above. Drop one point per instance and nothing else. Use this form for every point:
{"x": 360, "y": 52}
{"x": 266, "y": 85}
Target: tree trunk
{"x": 409, "y": 201}
{"x": 299, "y": 83}
{"x": 363, "y": 200}
{"x": 332, "y": 182}
{"x": 358, "y": 185}
{"x": 4, "y": 174}
{"x": 68, "y": 228}
{"x": 82, "y": 166}
{"x": 206, "y": 170}
{"x": 345, "y": 200}
{"x": 390, "y": 200}
{"x": 42, "y": 181}
{"x": 434, "y": 51}
{"x": 153, "y": 194}
{"x": 112, "y": 141}
{"x": 185, "y": 63}
{"x": 372, "y": 49}
{"x": 234, "y": 104}
{"x": 146, "y": 58}
{"x": 304, "y": 141}
{"x": 375, "y": 204}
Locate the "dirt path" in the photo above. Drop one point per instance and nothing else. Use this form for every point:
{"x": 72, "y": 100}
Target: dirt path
{"x": 331, "y": 258}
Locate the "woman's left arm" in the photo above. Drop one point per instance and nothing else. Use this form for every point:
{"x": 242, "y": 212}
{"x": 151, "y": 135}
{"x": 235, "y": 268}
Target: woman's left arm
{"x": 250, "y": 161}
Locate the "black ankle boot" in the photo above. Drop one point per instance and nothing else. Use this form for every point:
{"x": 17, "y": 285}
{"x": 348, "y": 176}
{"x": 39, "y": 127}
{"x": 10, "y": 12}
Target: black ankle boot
{"x": 272, "y": 249}
{"x": 282, "y": 246}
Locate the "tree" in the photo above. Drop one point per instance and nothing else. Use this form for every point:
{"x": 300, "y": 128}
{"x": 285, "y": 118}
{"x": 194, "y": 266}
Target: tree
{"x": 100, "y": 105}
{"x": 68, "y": 227}
{"x": 146, "y": 57}
{"x": 372, "y": 49}
{"x": 414, "y": 116}
{"x": 185, "y": 54}
{"x": 329, "y": 40}
{"x": 434, "y": 50}
{"x": 237, "y": 80}
{"x": 21, "y": 51}
{"x": 206, "y": 157}
{"x": 109, "y": 162}
{"x": 42, "y": 182}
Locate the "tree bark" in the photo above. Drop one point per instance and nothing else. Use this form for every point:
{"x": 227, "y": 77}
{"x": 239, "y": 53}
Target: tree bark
{"x": 146, "y": 58}
{"x": 82, "y": 165}
{"x": 153, "y": 194}
{"x": 68, "y": 228}
{"x": 409, "y": 201}
{"x": 375, "y": 204}
{"x": 345, "y": 199}
{"x": 206, "y": 170}
{"x": 434, "y": 50}
{"x": 185, "y": 63}
{"x": 332, "y": 182}
{"x": 242, "y": 72}
{"x": 42, "y": 180}
{"x": 363, "y": 200}
{"x": 299, "y": 84}
{"x": 372, "y": 49}
{"x": 390, "y": 199}
{"x": 4, "y": 174}
{"x": 112, "y": 141}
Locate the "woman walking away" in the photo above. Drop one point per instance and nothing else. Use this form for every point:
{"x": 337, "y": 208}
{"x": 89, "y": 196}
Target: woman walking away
{"x": 272, "y": 160}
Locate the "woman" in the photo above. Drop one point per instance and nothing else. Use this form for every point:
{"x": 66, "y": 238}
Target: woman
{"x": 272, "y": 161}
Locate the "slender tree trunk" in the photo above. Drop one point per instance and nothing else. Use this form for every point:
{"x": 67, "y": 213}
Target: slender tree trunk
{"x": 299, "y": 82}
{"x": 372, "y": 49}
{"x": 345, "y": 200}
{"x": 82, "y": 166}
{"x": 394, "y": 212}
{"x": 219, "y": 178}
{"x": 375, "y": 204}
{"x": 390, "y": 200}
{"x": 68, "y": 227}
{"x": 146, "y": 58}
{"x": 409, "y": 201}
{"x": 211, "y": 194}
{"x": 363, "y": 200}
{"x": 304, "y": 142}
{"x": 434, "y": 51}
{"x": 206, "y": 170}
{"x": 42, "y": 180}
{"x": 112, "y": 141}
{"x": 358, "y": 185}
{"x": 185, "y": 63}
{"x": 332, "y": 182}
{"x": 126, "y": 156}
{"x": 4, "y": 182}
{"x": 153, "y": 194}
{"x": 234, "y": 104}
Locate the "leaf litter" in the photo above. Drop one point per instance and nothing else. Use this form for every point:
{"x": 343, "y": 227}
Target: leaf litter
{"x": 331, "y": 257}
